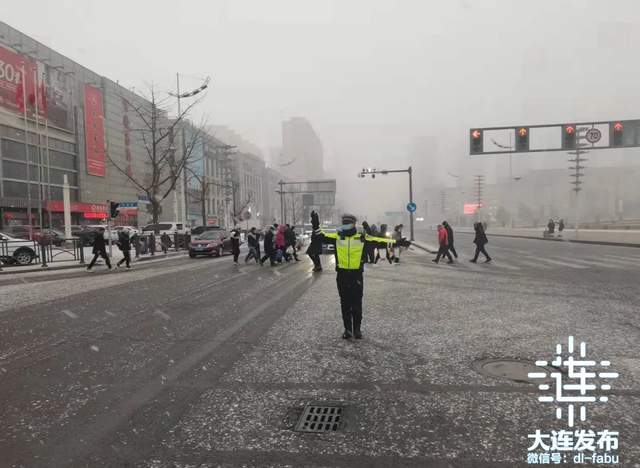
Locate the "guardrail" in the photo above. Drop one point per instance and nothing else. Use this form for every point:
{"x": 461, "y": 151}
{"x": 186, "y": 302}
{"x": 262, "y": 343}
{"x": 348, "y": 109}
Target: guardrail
{"x": 16, "y": 253}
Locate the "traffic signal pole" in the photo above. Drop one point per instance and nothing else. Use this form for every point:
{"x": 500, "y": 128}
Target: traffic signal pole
{"x": 409, "y": 171}
{"x": 411, "y": 201}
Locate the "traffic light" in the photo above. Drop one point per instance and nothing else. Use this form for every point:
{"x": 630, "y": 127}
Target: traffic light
{"x": 568, "y": 137}
{"x": 477, "y": 146}
{"x": 522, "y": 139}
{"x": 616, "y": 134}
{"x": 113, "y": 209}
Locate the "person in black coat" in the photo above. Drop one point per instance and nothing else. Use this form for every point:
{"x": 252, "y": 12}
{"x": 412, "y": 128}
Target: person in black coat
{"x": 449, "y": 229}
{"x": 99, "y": 250}
{"x": 269, "y": 251}
{"x": 124, "y": 244}
{"x": 235, "y": 244}
{"x": 369, "y": 251}
{"x": 480, "y": 240}
{"x": 254, "y": 245}
{"x": 383, "y": 233}
{"x": 313, "y": 251}
{"x": 291, "y": 240}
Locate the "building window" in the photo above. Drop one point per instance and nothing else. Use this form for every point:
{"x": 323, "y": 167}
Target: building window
{"x": 57, "y": 177}
{"x": 14, "y": 170}
{"x": 14, "y": 150}
{"x": 62, "y": 160}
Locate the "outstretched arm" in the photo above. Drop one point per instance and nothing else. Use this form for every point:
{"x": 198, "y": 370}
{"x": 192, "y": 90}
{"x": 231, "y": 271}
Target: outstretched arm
{"x": 383, "y": 242}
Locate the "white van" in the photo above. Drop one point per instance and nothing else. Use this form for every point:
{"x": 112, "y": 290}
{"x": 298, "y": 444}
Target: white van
{"x": 169, "y": 228}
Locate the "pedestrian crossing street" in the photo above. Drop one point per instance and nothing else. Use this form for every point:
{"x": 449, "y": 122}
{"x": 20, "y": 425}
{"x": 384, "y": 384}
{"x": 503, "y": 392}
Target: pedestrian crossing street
{"x": 511, "y": 260}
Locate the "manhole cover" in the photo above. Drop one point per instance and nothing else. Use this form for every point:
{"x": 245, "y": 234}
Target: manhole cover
{"x": 512, "y": 369}
{"x": 322, "y": 417}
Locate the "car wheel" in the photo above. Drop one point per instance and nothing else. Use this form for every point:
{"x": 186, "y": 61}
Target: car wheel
{"x": 24, "y": 256}
{"x": 219, "y": 251}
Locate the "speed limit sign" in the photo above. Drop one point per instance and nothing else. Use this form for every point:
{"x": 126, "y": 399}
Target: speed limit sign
{"x": 593, "y": 135}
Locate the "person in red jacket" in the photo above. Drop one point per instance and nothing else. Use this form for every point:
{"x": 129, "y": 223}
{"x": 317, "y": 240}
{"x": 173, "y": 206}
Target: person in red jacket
{"x": 443, "y": 242}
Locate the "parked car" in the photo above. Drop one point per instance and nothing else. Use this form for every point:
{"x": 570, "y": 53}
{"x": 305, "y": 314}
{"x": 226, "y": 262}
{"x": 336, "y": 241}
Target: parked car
{"x": 132, "y": 230}
{"x": 210, "y": 243}
{"x": 169, "y": 228}
{"x": 14, "y": 250}
{"x": 44, "y": 236}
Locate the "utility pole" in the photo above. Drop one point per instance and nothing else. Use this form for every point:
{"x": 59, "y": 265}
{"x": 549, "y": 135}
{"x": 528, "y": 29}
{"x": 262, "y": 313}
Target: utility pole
{"x": 576, "y": 175}
{"x": 281, "y": 192}
{"x": 479, "y": 187}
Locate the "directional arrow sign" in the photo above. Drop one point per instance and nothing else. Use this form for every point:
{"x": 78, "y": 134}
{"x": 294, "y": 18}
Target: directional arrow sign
{"x": 411, "y": 207}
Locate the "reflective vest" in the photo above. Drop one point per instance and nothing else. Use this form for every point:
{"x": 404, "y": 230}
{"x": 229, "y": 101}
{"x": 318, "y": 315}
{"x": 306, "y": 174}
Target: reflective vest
{"x": 349, "y": 249}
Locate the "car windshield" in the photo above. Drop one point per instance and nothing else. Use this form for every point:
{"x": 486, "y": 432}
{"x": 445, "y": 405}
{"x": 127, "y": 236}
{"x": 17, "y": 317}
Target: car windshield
{"x": 210, "y": 235}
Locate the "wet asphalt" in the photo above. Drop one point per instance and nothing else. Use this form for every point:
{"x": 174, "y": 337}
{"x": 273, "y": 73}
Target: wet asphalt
{"x": 198, "y": 362}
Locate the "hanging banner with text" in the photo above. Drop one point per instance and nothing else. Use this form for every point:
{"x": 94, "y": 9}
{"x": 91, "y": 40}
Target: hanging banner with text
{"x": 12, "y": 93}
{"x": 94, "y": 131}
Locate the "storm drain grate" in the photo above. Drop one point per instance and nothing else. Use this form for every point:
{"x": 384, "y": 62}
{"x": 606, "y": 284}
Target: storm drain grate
{"x": 320, "y": 418}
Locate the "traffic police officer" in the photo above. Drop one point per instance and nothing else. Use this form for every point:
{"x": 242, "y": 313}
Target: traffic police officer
{"x": 350, "y": 246}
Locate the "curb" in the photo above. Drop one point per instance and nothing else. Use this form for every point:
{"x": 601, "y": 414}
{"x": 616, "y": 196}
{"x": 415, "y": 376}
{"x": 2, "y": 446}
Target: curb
{"x": 18, "y": 270}
{"x": 555, "y": 239}
{"x": 426, "y": 248}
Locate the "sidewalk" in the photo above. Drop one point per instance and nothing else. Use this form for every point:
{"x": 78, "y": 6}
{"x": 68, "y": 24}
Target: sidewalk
{"x": 630, "y": 238}
{"x": 62, "y": 263}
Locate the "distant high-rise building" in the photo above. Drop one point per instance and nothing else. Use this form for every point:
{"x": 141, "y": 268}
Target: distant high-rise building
{"x": 231, "y": 137}
{"x": 302, "y": 154}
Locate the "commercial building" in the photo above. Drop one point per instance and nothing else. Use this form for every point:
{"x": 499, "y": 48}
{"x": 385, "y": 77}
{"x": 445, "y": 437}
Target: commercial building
{"x": 88, "y": 130}
{"x": 83, "y": 131}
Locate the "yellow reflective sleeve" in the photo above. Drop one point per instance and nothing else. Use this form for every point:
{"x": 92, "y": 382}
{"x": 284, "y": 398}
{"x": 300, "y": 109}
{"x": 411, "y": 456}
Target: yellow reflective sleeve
{"x": 329, "y": 235}
{"x": 388, "y": 240}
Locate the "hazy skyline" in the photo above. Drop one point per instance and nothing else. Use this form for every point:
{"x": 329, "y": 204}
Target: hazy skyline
{"x": 370, "y": 76}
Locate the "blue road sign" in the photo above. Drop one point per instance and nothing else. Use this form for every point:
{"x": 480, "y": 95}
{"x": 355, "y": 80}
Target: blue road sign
{"x": 411, "y": 207}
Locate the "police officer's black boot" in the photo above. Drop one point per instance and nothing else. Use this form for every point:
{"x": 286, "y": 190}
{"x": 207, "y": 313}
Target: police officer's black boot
{"x": 357, "y": 321}
{"x": 348, "y": 325}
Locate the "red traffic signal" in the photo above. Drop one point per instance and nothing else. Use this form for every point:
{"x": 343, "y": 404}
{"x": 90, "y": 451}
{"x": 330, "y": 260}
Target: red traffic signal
{"x": 569, "y": 137}
{"x": 476, "y": 141}
{"x": 522, "y": 139}
{"x": 616, "y": 138}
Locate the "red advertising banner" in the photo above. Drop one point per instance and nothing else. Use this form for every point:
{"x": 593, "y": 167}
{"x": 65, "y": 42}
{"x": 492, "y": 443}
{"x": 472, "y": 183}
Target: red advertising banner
{"x": 94, "y": 131}
{"x": 76, "y": 207}
{"x": 11, "y": 90}
{"x": 471, "y": 208}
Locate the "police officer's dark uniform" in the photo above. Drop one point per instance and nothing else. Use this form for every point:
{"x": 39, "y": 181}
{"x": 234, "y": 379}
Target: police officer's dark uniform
{"x": 349, "y": 251}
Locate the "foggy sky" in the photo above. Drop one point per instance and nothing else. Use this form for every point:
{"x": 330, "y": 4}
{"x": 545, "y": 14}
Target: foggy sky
{"x": 369, "y": 75}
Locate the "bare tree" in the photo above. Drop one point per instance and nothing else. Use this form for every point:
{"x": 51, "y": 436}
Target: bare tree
{"x": 203, "y": 186}
{"x": 157, "y": 133}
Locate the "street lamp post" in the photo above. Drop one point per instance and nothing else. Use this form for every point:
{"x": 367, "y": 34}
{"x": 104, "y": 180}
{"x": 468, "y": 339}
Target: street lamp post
{"x": 373, "y": 172}
{"x": 180, "y": 95}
